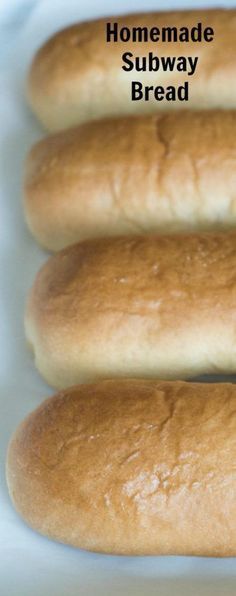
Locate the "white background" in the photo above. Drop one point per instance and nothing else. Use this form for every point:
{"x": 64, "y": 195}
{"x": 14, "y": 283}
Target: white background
{"x": 30, "y": 564}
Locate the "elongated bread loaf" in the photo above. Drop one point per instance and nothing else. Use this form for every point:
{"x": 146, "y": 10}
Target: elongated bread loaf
{"x": 78, "y": 76}
{"x": 136, "y": 307}
{"x": 155, "y": 173}
{"x": 131, "y": 467}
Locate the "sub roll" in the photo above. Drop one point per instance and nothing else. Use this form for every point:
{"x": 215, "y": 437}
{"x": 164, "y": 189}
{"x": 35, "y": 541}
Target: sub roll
{"x": 131, "y": 467}
{"x": 162, "y": 173}
{"x": 146, "y": 306}
{"x": 78, "y": 74}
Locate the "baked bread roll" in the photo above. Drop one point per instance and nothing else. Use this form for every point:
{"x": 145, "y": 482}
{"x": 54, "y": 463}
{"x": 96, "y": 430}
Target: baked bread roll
{"x": 131, "y": 467}
{"x": 77, "y": 75}
{"x": 154, "y": 173}
{"x": 135, "y": 307}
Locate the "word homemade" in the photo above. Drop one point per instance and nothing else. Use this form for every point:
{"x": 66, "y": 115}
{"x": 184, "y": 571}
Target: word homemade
{"x": 152, "y": 62}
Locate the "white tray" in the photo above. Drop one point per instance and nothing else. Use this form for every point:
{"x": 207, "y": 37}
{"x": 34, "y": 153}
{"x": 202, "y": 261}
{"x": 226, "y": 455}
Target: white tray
{"x": 31, "y": 565}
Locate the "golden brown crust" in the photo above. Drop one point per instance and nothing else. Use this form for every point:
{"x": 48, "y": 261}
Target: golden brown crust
{"x": 78, "y": 59}
{"x": 135, "y": 306}
{"x": 157, "y": 173}
{"x": 131, "y": 467}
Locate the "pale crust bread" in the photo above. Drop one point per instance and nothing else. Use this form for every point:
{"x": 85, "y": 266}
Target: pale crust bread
{"x": 146, "y": 306}
{"x": 162, "y": 173}
{"x": 77, "y": 76}
{"x": 131, "y": 467}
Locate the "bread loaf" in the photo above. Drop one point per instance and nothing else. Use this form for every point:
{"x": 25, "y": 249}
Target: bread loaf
{"x": 154, "y": 173}
{"x": 131, "y": 467}
{"x": 77, "y": 75}
{"x": 141, "y": 306}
